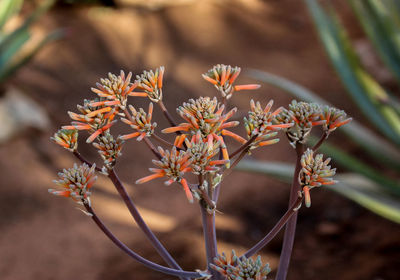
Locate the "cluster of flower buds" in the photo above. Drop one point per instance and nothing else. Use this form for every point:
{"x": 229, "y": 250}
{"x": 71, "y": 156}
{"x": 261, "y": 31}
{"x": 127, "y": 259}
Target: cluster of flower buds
{"x": 315, "y": 172}
{"x": 333, "y": 118}
{"x": 109, "y": 150}
{"x": 151, "y": 84}
{"x": 141, "y": 122}
{"x": 205, "y": 115}
{"x": 172, "y": 165}
{"x": 304, "y": 116}
{"x": 114, "y": 90}
{"x": 95, "y": 119}
{"x": 223, "y": 76}
{"x": 76, "y": 182}
{"x": 261, "y": 124}
{"x": 235, "y": 268}
{"x": 67, "y": 138}
{"x": 202, "y": 154}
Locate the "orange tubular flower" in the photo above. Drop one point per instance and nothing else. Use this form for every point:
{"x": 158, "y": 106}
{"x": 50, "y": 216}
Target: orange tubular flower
{"x": 141, "y": 122}
{"x": 203, "y": 116}
{"x": 223, "y": 76}
{"x": 76, "y": 182}
{"x": 261, "y": 123}
{"x": 151, "y": 84}
{"x": 173, "y": 165}
{"x": 115, "y": 90}
{"x": 315, "y": 172}
{"x": 334, "y": 118}
{"x": 67, "y": 138}
{"x": 96, "y": 120}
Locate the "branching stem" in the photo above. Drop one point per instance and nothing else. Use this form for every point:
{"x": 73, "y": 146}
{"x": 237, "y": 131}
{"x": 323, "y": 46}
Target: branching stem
{"x": 180, "y": 273}
{"x": 140, "y": 222}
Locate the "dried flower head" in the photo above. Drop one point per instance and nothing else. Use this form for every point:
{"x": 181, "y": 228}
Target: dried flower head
{"x": 235, "y": 268}
{"x": 151, "y": 84}
{"x": 334, "y": 118}
{"x": 114, "y": 90}
{"x": 315, "y": 172}
{"x": 109, "y": 149}
{"x": 172, "y": 165}
{"x": 67, "y": 138}
{"x": 260, "y": 123}
{"x": 223, "y": 76}
{"x": 304, "y": 116}
{"x": 95, "y": 119}
{"x": 76, "y": 182}
{"x": 141, "y": 122}
{"x": 205, "y": 115}
{"x": 201, "y": 155}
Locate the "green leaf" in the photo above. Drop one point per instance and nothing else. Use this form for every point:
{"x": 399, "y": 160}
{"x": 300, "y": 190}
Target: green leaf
{"x": 6, "y": 72}
{"x": 373, "y": 144}
{"x": 353, "y": 186}
{"x": 13, "y": 47}
{"x": 358, "y": 83}
{"x": 8, "y": 8}
{"x": 382, "y": 27}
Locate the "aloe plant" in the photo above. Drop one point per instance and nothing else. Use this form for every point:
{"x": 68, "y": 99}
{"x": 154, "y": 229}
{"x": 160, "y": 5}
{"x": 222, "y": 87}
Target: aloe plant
{"x": 365, "y": 184}
{"x": 13, "y": 43}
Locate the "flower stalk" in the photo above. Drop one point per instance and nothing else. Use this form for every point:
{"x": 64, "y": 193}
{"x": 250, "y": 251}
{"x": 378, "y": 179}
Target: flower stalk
{"x": 290, "y": 230}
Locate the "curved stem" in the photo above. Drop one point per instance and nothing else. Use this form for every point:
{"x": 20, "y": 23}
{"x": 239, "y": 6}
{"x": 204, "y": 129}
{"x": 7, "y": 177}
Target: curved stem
{"x": 152, "y": 148}
{"x": 290, "y": 231}
{"x": 244, "y": 146}
{"x": 161, "y": 140}
{"x": 274, "y": 231}
{"x": 140, "y": 222}
{"x": 321, "y": 140}
{"x": 167, "y": 114}
{"x": 82, "y": 159}
{"x": 135, "y": 256}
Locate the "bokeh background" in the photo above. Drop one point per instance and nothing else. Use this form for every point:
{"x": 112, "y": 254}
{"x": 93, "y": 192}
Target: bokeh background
{"x": 46, "y": 237}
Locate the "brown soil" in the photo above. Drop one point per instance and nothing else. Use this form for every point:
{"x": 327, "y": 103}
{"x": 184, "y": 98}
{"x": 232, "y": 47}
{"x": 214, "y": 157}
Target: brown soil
{"x": 45, "y": 237}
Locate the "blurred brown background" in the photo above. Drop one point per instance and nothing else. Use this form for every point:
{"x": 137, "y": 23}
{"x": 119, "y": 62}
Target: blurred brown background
{"x": 45, "y": 237}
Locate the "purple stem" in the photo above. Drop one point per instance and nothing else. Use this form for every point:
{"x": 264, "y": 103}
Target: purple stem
{"x": 140, "y": 222}
{"x": 274, "y": 231}
{"x": 135, "y": 256}
{"x": 290, "y": 231}
{"x": 209, "y": 238}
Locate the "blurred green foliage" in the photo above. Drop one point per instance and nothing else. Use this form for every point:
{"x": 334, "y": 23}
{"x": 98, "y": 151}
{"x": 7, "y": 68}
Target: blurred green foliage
{"x": 14, "y": 49}
{"x": 367, "y": 185}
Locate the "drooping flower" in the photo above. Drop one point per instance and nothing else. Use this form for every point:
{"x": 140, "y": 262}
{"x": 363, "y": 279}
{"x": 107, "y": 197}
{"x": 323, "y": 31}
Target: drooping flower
{"x": 334, "y": 118}
{"x": 109, "y": 149}
{"x": 172, "y": 165}
{"x": 205, "y": 115}
{"x": 95, "y": 119}
{"x": 223, "y": 76}
{"x": 304, "y": 116}
{"x": 141, "y": 122}
{"x": 151, "y": 82}
{"x": 67, "y": 138}
{"x": 315, "y": 172}
{"x": 261, "y": 123}
{"x": 114, "y": 90}
{"x": 235, "y": 268}
{"x": 76, "y": 182}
